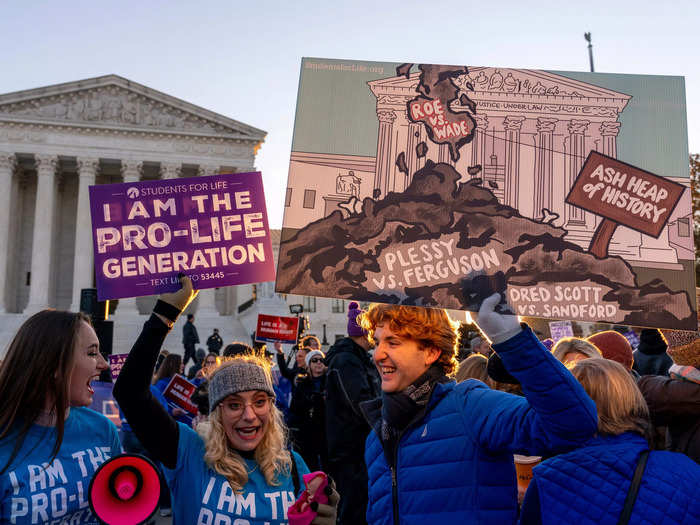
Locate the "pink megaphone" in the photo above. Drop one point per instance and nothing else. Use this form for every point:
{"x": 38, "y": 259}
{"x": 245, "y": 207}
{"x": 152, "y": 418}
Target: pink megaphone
{"x": 125, "y": 490}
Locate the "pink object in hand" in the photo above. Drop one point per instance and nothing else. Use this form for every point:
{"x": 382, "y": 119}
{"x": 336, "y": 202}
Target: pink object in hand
{"x": 301, "y": 513}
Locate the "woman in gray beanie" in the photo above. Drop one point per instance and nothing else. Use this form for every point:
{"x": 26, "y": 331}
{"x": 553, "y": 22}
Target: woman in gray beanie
{"x": 242, "y": 468}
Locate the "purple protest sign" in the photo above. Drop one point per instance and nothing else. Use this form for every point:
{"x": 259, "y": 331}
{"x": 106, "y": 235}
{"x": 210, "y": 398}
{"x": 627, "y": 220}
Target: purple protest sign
{"x": 213, "y": 229}
{"x": 116, "y": 361}
{"x": 633, "y": 338}
{"x": 560, "y": 329}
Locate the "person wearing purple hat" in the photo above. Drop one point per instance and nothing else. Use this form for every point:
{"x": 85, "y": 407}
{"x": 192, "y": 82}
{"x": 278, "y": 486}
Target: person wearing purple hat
{"x": 352, "y": 378}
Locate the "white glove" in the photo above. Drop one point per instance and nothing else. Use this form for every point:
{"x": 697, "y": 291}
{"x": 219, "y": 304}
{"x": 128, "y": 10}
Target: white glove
{"x": 497, "y": 327}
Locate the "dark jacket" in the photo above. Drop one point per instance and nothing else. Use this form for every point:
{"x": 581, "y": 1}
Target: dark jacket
{"x": 651, "y": 364}
{"x": 290, "y": 373}
{"x": 589, "y": 485}
{"x": 307, "y": 418}
{"x": 352, "y": 378}
{"x": 675, "y": 403}
{"x": 189, "y": 334}
{"x": 214, "y": 343}
{"x": 650, "y": 358}
{"x": 455, "y": 463}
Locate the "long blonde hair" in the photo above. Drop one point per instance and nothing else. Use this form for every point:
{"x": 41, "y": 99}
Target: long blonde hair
{"x": 271, "y": 454}
{"x": 620, "y": 404}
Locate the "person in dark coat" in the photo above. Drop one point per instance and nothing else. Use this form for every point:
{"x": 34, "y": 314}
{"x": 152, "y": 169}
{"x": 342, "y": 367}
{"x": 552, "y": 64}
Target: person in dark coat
{"x": 650, "y": 357}
{"x": 199, "y": 357}
{"x": 589, "y": 485}
{"x": 352, "y": 378}
{"x": 189, "y": 338}
{"x": 674, "y": 402}
{"x": 214, "y": 342}
{"x": 307, "y": 414}
{"x": 298, "y": 370}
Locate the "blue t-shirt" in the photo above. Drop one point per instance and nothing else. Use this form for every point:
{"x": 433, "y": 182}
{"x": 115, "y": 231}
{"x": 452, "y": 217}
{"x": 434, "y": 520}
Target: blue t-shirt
{"x": 34, "y": 492}
{"x": 201, "y": 496}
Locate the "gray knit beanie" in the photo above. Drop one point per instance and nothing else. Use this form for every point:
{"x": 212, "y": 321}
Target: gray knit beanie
{"x": 239, "y": 376}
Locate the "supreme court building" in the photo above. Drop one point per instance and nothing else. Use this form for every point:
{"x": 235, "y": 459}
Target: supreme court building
{"x": 55, "y": 142}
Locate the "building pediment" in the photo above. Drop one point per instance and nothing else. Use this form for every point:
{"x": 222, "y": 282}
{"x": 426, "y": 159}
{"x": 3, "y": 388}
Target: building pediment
{"x": 117, "y": 103}
{"x": 500, "y": 83}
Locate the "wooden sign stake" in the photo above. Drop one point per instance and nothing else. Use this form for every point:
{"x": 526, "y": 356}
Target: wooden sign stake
{"x": 602, "y": 237}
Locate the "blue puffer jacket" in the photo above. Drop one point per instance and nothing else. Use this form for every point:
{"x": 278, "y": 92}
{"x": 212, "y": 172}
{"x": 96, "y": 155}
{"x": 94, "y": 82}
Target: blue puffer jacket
{"x": 455, "y": 465}
{"x": 589, "y": 485}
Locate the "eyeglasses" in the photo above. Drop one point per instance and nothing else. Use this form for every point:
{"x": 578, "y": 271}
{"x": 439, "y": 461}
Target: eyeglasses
{"x": 261, "y": 406}
{"x": 315, "y": 360}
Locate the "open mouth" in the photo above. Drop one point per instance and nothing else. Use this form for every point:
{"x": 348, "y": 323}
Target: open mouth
{"x": 89, "y": 384}
{"x": 387, "y": 371}
{"x": 248, "y": 433}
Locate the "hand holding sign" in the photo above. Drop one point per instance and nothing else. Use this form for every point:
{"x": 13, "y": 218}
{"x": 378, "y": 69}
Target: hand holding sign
{"x": 183, "y": 297}
{"x": 497, "y": 327}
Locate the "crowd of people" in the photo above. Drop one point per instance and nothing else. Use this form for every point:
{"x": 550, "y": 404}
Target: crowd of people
{"x": 406, "y": 432}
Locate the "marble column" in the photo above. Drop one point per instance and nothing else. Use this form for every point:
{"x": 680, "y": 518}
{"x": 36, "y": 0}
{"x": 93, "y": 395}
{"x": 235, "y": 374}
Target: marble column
{"x": 412, "y": 160}
{"x": 576, "y": 217}
{"x": 609, "y": 131}
{"x": 444, "y": 154}
{"x": 512, "y": 125}
{"x": 8, "y": 163}
{"x": 384, "y": 163}
{"x": 131, "y": 172}
{"x": 42, "y": 238}
{"x": 83, "y": 255}
{"x": 208, "y": 169}
{"x": 479, "y": 143}
{"x": 545, "y": 158}
{"x": 170, "y": 170}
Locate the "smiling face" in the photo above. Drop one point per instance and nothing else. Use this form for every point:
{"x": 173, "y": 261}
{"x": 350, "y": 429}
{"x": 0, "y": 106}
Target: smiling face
{"x": 245, "y": 417}
{"x": 88, "y": 363}
{"x": 400, "y": 360}
{"x": 316, "y": 366}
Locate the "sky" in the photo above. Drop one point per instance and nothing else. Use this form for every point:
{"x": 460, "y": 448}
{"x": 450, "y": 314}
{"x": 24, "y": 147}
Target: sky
{"x": 242, "y": 59}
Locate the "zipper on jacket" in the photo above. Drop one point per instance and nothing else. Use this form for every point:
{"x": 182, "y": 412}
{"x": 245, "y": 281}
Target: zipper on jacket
{"x": 395, "y": 494}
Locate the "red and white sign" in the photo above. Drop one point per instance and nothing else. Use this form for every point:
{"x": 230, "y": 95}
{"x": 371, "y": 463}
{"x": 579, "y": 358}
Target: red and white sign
{"x": 276, "y": 328}
{"x": 179, "y": 391}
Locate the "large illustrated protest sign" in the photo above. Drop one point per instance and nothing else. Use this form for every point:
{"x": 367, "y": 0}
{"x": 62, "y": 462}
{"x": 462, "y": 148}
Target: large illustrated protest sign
{"x": 276, "y": 328}
{"x": 213, "y": 229}
{"x": 406, "y": 180}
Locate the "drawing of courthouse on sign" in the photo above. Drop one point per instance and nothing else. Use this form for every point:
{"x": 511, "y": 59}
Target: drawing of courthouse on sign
{"x": 533, "y": 133}
{"x": 534, "y": 129}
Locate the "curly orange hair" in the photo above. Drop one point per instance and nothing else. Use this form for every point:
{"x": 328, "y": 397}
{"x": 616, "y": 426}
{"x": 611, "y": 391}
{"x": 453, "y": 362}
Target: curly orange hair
{"x": 429, "y": 327}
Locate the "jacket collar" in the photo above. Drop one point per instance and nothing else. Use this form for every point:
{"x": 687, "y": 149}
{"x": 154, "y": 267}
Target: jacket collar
{"x": 372, "y": 410}
{"x": 626, "y": 439}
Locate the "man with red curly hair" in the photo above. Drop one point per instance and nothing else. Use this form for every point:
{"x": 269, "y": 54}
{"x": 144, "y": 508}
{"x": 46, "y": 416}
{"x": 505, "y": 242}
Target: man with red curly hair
{"x": 441, "y": 452}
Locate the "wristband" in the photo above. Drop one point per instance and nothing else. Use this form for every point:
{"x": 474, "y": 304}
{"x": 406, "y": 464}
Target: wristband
{"x": 167, "y": 310}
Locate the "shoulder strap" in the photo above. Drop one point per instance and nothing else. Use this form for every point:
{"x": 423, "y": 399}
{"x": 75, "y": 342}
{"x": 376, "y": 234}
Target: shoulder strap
{"x": 634, "y": 489}
{"x": 295, "y": 475}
